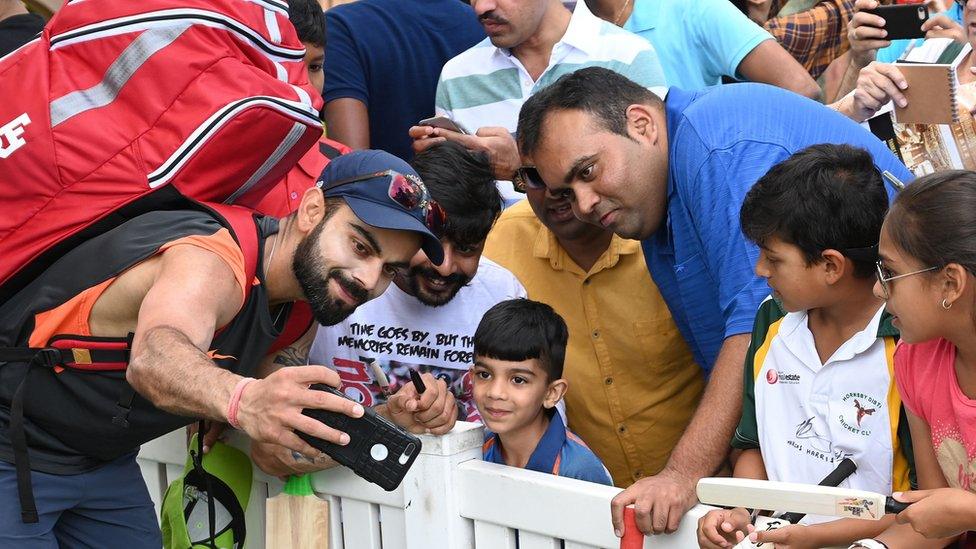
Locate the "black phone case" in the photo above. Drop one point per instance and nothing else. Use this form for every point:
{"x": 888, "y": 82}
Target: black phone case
{"x": 378, "y": 450}
{"x": 902, "y": 21}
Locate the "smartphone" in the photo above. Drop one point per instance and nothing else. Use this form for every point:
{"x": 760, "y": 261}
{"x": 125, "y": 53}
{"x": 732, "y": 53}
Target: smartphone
{"x": 378, "y": 450}
{"x": 442, "y": 122}
{"x": 903, "y": 20}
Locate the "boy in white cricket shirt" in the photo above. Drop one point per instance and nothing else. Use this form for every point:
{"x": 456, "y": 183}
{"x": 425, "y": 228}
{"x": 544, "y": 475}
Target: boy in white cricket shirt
{"x": 818, "y": 376}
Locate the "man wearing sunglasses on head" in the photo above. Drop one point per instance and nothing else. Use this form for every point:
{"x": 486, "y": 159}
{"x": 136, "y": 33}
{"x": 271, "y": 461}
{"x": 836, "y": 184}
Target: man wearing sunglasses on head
{"x": 371, "y": 186}
{"x": 172, "y": 317}
{"x": 426, "y": 320}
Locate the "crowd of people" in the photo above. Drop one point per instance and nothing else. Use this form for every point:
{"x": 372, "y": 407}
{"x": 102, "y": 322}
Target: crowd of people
{"x": 642, "y": 241}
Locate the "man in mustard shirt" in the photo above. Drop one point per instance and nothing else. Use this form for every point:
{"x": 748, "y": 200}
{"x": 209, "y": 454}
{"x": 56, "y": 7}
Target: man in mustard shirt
{"x": 634, "y": 384}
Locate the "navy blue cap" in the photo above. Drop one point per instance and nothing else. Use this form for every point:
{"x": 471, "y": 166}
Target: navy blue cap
{"x": 370, "y": 199}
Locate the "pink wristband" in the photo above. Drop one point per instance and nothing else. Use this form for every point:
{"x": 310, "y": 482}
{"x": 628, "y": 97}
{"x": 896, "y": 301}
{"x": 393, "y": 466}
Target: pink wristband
{"x": 235, "y": 401}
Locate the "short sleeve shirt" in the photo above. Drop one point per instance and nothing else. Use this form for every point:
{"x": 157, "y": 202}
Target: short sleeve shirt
{"x": 559, "y": 452}
{"x": 698, "y": 42}
{"x": 721, "y": 141}
{"x": 388, "y": 54}
{"x": 806, "y": 416}
{"x": 926, "y": 376}
{"x": 487, "y": 85}
{"x": 398, "y": 333}
{"x": 633, "y": 385}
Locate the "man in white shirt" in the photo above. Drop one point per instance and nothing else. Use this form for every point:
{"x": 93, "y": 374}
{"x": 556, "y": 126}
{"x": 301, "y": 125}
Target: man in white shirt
{"x": 426, "y": 319}
{"x": 530, "y": 44}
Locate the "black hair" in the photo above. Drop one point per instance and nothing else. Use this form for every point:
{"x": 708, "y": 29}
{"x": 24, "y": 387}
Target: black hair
{"x": 741, "y": 5}
{"x": 601, "y": 92}
{"x": 309, "y": 20}
{"x": 823, "y": 197}
{"x": 934, "y": 219}
{"x": 461, "y": 181}
{"x": 522, "y": 329}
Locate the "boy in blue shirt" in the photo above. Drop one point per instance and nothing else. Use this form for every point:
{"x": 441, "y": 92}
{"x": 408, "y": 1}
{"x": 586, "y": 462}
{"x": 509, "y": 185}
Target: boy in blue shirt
{"x": 519, "y": 348}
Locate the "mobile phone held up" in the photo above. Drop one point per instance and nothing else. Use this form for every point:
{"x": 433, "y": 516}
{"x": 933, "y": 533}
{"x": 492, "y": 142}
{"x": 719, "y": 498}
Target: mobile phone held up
{"x": 378, "y": 450}
{"x": 443, "y": 122}
{"x": 902, "y": 20}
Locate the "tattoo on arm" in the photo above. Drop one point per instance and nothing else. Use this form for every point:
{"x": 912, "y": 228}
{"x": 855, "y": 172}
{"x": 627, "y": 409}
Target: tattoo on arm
{"x": 294, "y": 355}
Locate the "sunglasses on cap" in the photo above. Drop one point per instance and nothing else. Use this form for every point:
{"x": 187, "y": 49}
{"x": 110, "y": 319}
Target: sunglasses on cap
{"x": 407, "y": 191}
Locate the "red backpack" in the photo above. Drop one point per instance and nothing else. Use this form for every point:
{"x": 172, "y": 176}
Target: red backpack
{"x": 120, "y": 108}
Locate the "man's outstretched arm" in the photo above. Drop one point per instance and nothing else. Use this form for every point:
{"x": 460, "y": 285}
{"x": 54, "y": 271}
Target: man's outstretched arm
{"x": 192, "y": 294}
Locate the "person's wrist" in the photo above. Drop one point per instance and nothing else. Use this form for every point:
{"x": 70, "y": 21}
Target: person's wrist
{"x": 814, "y": 536}
{"x": 844, "y": 105}
{"x": 868, "y": 543}
{"x": 678, "y": 475}
{"x": 861, "y": 59}
{"x": 234, "y": 404}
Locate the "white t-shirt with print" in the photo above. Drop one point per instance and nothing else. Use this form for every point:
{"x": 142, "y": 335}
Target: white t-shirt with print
{"x": 399, "y": 333}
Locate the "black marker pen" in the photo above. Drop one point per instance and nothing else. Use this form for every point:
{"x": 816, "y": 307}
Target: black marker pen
{"x": 417, "y": 382}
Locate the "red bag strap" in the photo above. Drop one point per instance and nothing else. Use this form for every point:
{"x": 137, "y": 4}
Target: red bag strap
{"x": 243, "y": 227}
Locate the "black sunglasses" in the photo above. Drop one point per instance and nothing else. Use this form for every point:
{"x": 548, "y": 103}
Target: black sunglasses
{"x": 527, "y": 177}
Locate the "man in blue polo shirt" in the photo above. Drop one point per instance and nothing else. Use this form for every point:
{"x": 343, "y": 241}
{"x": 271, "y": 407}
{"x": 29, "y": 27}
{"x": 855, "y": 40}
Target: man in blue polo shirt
{"x": 673, "y": 173}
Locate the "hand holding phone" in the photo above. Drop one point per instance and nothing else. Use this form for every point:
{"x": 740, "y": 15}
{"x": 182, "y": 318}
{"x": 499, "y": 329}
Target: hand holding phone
{"x": 378, "y": 450}
{"x": 444, "y": 123}
{"x": 902, "y": 20}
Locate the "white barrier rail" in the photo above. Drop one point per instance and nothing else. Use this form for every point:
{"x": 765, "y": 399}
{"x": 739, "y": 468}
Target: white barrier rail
{"x": 450, "y": 499}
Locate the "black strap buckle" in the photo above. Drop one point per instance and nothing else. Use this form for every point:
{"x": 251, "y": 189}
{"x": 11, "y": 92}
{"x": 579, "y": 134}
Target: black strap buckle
{"x": 121, "y": 418}
{"x": 48, "y": 356}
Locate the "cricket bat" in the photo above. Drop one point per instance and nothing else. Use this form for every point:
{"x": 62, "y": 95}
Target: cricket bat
{"x": 296, "y": 519}
{"x": 795, "y": 497}
{"x": 843, "y": 470}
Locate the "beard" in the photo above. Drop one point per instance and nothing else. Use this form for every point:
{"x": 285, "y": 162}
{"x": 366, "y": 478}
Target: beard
{"x": 452, "y": 285}
{"x": 313, "y": 277}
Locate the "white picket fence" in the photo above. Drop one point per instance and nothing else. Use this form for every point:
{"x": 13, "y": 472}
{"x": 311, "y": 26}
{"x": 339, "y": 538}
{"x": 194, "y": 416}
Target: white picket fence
{"x": 450, "y": 499}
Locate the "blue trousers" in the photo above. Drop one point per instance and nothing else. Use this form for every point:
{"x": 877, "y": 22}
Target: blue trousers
{"x": 105, "y": 508}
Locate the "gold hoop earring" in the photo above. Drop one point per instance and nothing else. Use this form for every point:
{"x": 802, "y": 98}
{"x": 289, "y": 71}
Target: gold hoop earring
{"x": 946, "y": 305}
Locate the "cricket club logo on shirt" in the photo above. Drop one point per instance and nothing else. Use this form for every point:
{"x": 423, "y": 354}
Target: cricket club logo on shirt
{"x": 857, "y": 413}
{"x": 862, "y": 411}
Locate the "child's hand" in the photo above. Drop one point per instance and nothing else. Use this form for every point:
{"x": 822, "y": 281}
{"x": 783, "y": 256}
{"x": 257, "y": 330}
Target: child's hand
{"x": 938, "y": 513}
{"x": 792, "y": 536}
{"x": 723, "y": 528}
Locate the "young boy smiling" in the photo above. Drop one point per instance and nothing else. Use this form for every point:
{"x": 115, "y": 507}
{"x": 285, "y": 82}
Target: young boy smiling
{"x": 519, "y": 348}
{"x": 818, "y": 382}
